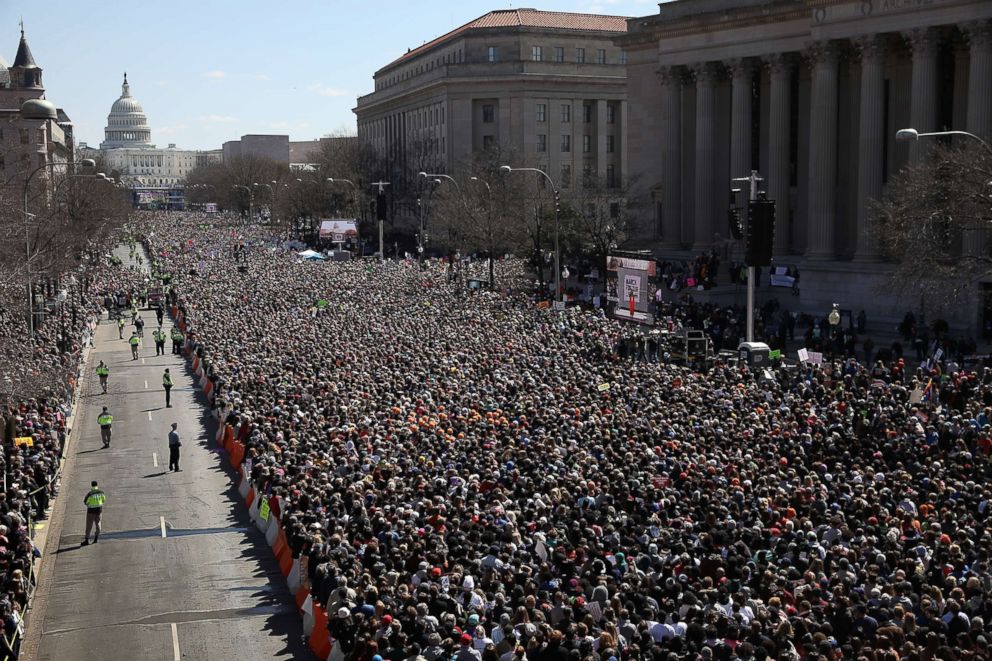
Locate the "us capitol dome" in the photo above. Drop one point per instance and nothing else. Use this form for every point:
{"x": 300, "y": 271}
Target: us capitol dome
{"x": 127, "y": 125}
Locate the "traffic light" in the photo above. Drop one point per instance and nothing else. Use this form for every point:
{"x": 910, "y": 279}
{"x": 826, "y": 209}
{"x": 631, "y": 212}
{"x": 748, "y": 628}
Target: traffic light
{"x": 380, "y": 206}
{"x": 557, "y": 202}
{"x": 760, "y": 233}
{"x": 736, "y": 223}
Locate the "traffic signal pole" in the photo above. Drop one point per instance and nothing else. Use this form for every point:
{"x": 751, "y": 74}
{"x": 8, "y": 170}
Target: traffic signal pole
{"x": 380, "y": 213}
{"x": 752, "y": 180}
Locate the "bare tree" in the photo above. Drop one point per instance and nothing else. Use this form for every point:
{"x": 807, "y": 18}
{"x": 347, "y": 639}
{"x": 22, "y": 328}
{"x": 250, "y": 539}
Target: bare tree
{"x": 934, "y": 222}
{"x": 598, "y": 217}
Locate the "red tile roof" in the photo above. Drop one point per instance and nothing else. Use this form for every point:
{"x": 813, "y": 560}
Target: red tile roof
{"x": 533, "y": 18}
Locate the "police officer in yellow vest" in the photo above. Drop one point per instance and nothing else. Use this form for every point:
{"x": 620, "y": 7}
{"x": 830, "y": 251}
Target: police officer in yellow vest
{"x": 120, "y": 327}
{"x": 159, "y": 337}
{"x": 106, "y": 422}
{"x": 95, "y": 500}
{"x": 103, "y": 372}
{"x": 134, "y": 341}
{"x": 167, "y": 384}
{"x": 177, "y": 341}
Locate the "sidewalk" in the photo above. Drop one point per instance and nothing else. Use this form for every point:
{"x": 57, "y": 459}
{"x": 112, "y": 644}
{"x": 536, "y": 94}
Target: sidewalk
{"x": 179, "y": 570}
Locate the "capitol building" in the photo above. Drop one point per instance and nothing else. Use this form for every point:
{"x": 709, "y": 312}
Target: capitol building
{"x": 127, "y": 148}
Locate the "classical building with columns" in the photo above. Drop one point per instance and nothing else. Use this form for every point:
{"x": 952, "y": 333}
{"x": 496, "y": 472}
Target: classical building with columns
{"x": 809, "y": 93}
{"x": 546, "y": 87}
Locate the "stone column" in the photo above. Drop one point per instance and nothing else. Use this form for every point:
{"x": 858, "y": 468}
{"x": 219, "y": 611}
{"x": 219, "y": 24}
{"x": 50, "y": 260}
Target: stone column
{"x": 923, "y": 113}
{"x": 820, "y": 213}
{"x": 979, "y": 117}
{"x": 740, "y": 117}
{"x": 671, "y": 156}
{"x": 777, "y": 184}
{"x": 871, "y": 124}
{"x": 706, "y": 189}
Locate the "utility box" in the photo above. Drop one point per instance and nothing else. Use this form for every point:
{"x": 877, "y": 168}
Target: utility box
{"x": 754, "y": 354}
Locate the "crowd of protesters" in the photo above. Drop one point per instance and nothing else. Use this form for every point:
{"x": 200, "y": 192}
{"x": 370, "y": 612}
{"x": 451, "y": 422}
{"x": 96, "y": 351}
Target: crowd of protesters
{"x": 37, "y": 386}
{"x": 467, "y": 475}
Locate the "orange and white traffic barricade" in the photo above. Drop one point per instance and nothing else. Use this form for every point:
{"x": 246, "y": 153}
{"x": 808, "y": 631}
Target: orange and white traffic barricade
{"x": 308, "y": 619}
{"x": 245, "y": 484}
{"x": 320, "y": 637}
{"x": 272, "y": 533}
{"x": 293, "y": 580}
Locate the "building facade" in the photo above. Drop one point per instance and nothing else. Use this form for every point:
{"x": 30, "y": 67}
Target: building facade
{"x": 128, "y": 151}
{"x": 547, "y": 88}
{"x": 273, "y": 147}
{"x": 809, "y": 93}
{"x": 27, "y": 144}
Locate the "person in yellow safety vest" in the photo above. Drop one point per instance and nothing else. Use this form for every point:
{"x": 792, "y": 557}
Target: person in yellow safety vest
{"x": 134, "y": 342}
{"x": 177, "y": 341}
{"x": 167, "y": 384}
{"x": 106, "y": 422}
{"x": 103, "y": 372}
{"x": 159, "y": 337}
{"x": 94, "y": 500}
{"x": 120, "y": 327}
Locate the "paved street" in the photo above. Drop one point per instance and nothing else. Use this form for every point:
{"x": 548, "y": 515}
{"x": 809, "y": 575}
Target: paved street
{"x": 179, "y": 572}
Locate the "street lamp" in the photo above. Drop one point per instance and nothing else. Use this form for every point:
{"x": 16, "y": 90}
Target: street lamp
{"x": 507, "y": 169}
{"x": 35, "y": 111}
{"x": 251, "y": 198}
{"x": 332, "y": 180}
{"x": 834, "y": 316}
{"x": 912, "y": 135}
{"x": 428, "y": 175}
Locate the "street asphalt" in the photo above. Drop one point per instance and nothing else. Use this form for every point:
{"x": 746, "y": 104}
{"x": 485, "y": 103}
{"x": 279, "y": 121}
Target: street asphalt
{"x": 179, "y": 571}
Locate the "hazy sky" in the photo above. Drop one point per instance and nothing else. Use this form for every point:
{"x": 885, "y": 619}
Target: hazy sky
{"x": 211, "y": 70}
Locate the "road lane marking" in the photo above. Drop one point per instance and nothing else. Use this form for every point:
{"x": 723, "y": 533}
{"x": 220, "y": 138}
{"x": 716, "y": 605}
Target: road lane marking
{"x": 175, "y": 643}
{"x": 142, "y": 361}
{"x": 161, "y": 521}
{"x": 155, "y": 459}
{"x": 146, "y": 384}
{"x": 149, "y": 415}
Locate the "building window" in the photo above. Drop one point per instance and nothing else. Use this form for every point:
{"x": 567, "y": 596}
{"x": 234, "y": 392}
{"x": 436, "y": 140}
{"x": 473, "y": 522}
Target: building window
{"x": 610, "y": 144}
{"x": 614, "y": 210}
{"x": 600, "y": 56}
{"x": 542, "y": 142}
{"x": 559, "y": 54}
{"x": 566, "y": 176}
{"x": 536, "y": 53}
{"x": 611, "y": 114}
{"x": 493, "y": 54}
{"x": 623, "y": 57}
{"x": 25, "y": 136}
{"x": 587, "y": 112}
{"x": 611, "y": 176}
{"x": 566, "y": 142}
{"x": 488, "y": 113}
{"x": 580, "y": 55}
{"x": 488, "y": 142}
{"x": 542, "y": 112}
{"x": 587, "y": 172}
{"x": 566, "y": 113}
{"x": 586, "y": 144}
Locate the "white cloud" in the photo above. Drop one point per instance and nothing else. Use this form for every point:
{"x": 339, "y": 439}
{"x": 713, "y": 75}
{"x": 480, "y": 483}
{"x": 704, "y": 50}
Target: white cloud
{"x": 261, "y": 76}
{"x": 216, "y": 74}
{"x": 217, "y": 119}
{"x": 171, "y": 130}
{"x": 324, "y": 90}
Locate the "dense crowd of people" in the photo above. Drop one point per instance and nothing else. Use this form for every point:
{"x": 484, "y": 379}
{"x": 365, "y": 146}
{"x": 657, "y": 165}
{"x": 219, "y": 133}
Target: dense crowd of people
{"x": 37, "y": 387}
{"x": 466, "y": 475}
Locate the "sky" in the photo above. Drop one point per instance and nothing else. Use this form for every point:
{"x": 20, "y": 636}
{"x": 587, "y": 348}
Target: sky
{"x": 209, "y": 71}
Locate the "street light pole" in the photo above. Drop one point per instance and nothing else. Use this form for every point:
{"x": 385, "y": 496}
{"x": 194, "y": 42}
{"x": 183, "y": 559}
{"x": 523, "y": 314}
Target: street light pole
{"x": 752, "y": 180}
{"x": 85, "y": 163}
{"x": 907, "y": 135}
{"x": 381, "y": 185}
{"x": 507, "y": 168}
{"x": 251, "y": 198}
